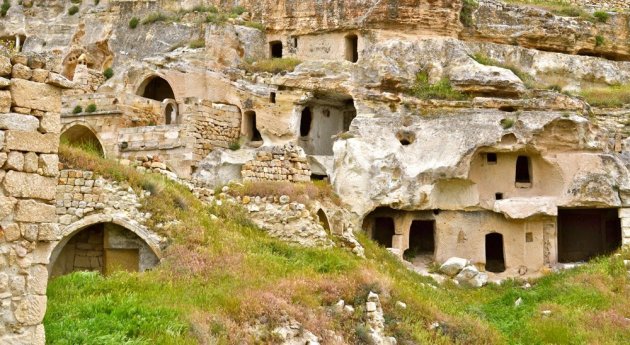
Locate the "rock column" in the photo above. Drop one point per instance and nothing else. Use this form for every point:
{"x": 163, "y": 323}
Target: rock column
{"x": 29, "y": 140}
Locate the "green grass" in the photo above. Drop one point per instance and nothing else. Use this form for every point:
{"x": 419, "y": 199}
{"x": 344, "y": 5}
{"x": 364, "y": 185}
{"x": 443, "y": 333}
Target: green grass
{"x": 557, "y": 7}
{"x": 607, "y": 97}
{"x": 220, "y": 275}
{"x": 195, "y": 44}
{"x": 601, "y": 16}
{"x": 255, "y": 25}
{"x": 155, "y": 17}
{"x": 275, "y": 65}
{"x": 441, "y": 90}
{"x": 133, "y": 22}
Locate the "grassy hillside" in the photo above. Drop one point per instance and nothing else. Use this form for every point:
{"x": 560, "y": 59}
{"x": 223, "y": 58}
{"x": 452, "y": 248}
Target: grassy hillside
{"x": 221, "y": 275}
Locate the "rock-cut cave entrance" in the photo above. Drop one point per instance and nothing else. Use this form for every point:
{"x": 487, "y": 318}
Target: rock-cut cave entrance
{"x": 103, "y": 248}
{"x": 156, "y": 88}
{"x": 495, "y": 253}
{"x": 321, "y": 119}
{"x": 421, "y": 240}
{"x": 586, "y": 233}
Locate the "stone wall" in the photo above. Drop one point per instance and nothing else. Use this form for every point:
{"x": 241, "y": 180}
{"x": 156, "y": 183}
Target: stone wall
{"x": 278, "y": 163}
{"x": 213, "y": 125}
{"x": 29, "y": 138}
{"x": 81, "y": 193}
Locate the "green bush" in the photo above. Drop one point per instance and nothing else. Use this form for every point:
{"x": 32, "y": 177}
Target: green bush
{"x": 441, "y": 90}
{"x": 601, "y": 16}
{"x": 96, "y": 2}
{"x": 599, "y": 40}
{"x": 234, "y": 146}
{"x": 465, "y": 16}
{"x": 507, "y": 123}
{"x": 202, "y": 8}
{"x": 4, "y": 8}
{"x": 238, "y": 10}
{"x": 216, "y": 18}
{"x": 91, "y": 108}
{"x": 108, "y": 73}
{"x": 255, "y": 25}
{"x": 73, "y": 10}
{"x": 155, "y": 17}
{"x": 75, "y": 1}
{"x": 78, "y": 109}
{"x": 133, "y": 22}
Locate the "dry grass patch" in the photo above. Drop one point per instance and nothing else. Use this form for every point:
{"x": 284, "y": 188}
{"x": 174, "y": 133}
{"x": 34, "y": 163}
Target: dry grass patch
{"x": 274, "y": 66}
{"x": 607, "y": 97}
{"x": 302, "y": 192}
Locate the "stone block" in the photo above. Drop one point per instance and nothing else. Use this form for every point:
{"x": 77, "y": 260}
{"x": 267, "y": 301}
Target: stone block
{"x": 18, "y": 122}
{"x": 12, "y": 232}
{"x": 5, "y": 101}
{"x": 60, "y": 81}
{"x": 15, "y": 161}
{"x": 4, "y": 83}
{"x": 25, "y": 185}
{"x": 36, "y": 62}
{"x": 21, "y": 72}
{"x": 49, "y": 163}
{"x": 5, "y": 66}
{"x": 50, "y": 123}
{"x": 37, "y": 280}
{"x": 49, "y": 232}
{"x": 30, "y": 310}
{"x": 39, "y": 75}
{"x": 19, "y": 58}
{"x": 34, "y": 211}
{"x": 31, "y": 162}
{"x": 32, "y": 141}
{"x": 34, "y": 95}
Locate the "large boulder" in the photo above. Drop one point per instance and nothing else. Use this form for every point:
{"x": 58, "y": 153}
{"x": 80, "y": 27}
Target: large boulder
{"x": 453, "y": 265}
{"x": 470, "y": 276}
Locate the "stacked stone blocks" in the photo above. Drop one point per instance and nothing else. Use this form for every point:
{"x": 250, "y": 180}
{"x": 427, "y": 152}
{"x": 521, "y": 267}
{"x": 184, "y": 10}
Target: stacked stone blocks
{"x": 30, "y": 102}
{"x": 278, "y": 163}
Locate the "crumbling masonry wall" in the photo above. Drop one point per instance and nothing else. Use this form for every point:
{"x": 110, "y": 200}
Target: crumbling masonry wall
{"x": 29, "y": 140}
{"x": 278, "y": 163}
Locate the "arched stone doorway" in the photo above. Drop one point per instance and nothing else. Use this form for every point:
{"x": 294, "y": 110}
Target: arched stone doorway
{"x": 79, "y": 135}
{"x": 104, "y": 245}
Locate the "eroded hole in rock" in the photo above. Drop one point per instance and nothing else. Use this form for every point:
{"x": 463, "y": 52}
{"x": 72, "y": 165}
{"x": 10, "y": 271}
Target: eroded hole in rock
{"x": 406, "y": 138}
{"x": 352, "y": 48}
{"x": 509, "y": 139}
{"x": 272, "y": 97}
{"x": 275, "y": 49}
{"x": 84, "y": 137}
{"x": 508, "y": 108}
{"x": 495, "y": 256}
{"x": 421, "y": 239}
{"x": 586, "y": 233}
{"x": 498, "y": 196}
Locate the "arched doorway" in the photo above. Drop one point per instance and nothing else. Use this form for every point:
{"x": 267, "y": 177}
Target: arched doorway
{"x": 495, "y": 253}
{"x": 323, "y": 219}
{"x": 102, "y": 247}
{"x": 83, "y": 137}
{"x": 156, "y": 88}
{"x": 250, "y": 129}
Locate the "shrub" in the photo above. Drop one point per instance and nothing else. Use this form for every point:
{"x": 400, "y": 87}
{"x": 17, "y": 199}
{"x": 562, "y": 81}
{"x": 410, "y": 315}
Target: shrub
{"x": 238, "y": 10}
{"x": 195, "y": 44}
{"x": 133, "y": 23}
{"x": 599, "y": 40}
{"x": 155, "y": 17}
{"x": 202, "y": 8}
{"x": 96, "y": 2}
{"x": 255, "y": 25}
{"x": 91, "y": 108}
{"x": 234, "y": 146}
{"x": 75, "y": 1}
{"x": 78, "y": 109}
{"x": 441, "y": 90}
{"x": 601, "y": 16}
{"x": 275, "y": 65}
{"x": 465, "y": 16}
{"x": 108, "y": 73}
{"x": 73, "y": 10}
{"x": 4, "y": 8}
{"x": 507, "y": 123}
{"x": 216, "y": 18}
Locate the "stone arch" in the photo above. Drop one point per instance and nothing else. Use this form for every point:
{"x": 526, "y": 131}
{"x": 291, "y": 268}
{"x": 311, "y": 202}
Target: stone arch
{"x": 155, "y": 87}
{"x": 78, "y": 134}
{"x": 323, "y": 219}
{"x": 171, "y": 111}
{"x": 67, "y": 233}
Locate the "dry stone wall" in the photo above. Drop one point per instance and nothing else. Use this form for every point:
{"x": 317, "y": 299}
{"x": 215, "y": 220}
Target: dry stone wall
{"x": 30, "y": 103}
{"x": 278, "y": 163}
{"x": 213, "y": 125}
